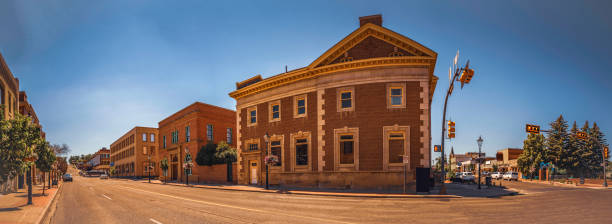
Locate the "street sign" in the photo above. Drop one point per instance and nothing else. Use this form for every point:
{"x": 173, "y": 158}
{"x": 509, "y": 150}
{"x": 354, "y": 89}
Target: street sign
{"x": 112, "y": 163}
{"x": 534, "y": 129}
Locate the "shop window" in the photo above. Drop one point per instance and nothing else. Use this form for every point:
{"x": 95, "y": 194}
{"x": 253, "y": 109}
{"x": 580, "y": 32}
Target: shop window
{"x": 301, "y": 152}
{"x": 276, "y": 150}
{"x": 396, "y": 147}
{"x": 347, "y": 155}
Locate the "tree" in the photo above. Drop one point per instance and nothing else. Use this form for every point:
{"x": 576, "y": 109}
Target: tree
{"x": 556, "y": 143}
{"x": 45, "y": 160}
{"x": 206, "y": 155}
{"x": 228, "y": 154}
{"x": 163, "y": 164}
{"x": 18, "y": 137}
{"x": 62, "y": 165}
{"x": 533, "y": 154}
{"x": 597, "y": 143}
{"x": 60, "y": 149}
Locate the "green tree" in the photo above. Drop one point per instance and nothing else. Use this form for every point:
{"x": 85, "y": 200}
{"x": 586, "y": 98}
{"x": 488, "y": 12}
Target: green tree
{"x": 556, "y": 143}
{"x": 62, "y": 165}
{"x": 533, "y": 154}
{"x": 45, "y": 160}
{"x": 227, "y": 154}
{"x": 597, "y": 143}
{"x": 206, "y": 155}
{"x": 18, "y": 137}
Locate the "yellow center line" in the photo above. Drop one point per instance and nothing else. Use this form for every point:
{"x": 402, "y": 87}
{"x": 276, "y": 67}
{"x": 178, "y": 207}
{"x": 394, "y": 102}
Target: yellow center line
{"x": 235, "y": 207}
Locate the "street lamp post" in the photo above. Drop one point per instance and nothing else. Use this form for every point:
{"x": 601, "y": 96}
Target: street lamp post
{"x": 187, "y": 161}
{"x": 479, "y": 158}
{"x": 266, "y": 139}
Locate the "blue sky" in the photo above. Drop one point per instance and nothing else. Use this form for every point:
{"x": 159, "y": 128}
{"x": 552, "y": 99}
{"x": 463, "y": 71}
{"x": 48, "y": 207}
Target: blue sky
{"x": 93, "y": 70}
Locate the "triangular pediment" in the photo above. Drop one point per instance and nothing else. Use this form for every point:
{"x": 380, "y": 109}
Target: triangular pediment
{"x": 372, "y": 41}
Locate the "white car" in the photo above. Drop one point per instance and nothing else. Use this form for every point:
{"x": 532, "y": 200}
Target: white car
{"x": 466, "y": 177}
{"x": 103, "y": 176}
{"x": 496, "y": 175}
{"x": 510, "y": 176}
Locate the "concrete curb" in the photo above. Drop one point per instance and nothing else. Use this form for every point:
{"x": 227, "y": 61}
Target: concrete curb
{"x": 46, "y": 210}
{"x": 355, "y": 195}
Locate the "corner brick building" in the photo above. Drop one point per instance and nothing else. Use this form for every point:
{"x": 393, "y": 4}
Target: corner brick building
{"x": 346, "y": 120}
{"x": 190, "y": 129}
{"x": 130, "y": 153}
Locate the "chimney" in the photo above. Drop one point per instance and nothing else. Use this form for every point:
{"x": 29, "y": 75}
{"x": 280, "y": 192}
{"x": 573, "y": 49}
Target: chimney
{"x": 373, "y": 19}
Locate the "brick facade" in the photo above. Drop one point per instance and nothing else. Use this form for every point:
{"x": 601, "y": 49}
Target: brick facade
{"x": 130, "y": 153}
{"x": 361, "y": 144}
{"x": 197, "y": 116}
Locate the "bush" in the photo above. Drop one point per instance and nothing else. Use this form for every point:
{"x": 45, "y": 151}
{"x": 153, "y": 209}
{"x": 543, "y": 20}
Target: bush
{"x": 206, "y": 155}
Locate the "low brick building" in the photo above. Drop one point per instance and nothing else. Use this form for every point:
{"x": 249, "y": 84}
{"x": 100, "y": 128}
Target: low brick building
{"x": 129, "y": 154}
{"x": 346, "y": 120}
{"x": 187, "y": 131}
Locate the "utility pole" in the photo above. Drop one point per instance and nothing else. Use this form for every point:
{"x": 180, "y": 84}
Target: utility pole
{"x": 605, "y": 158}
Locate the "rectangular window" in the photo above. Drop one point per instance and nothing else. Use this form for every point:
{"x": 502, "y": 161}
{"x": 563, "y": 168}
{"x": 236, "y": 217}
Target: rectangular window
{"x": 301, "y": 106}
{"x": 395, "y": 96}
{"x": 164, "y": 140}
{"x": 229, "y": 135}
{"x": 347, "y": 155}
{"x": 346, "y": 99}
{"x": 275, "y": 111}
{"x": 275, "y": 149}
{"x": 187, "y": 134}
{"x": 253, "y": 147}
{"x": 396, "y": 147}
{"x": 152, "y": 138}
{"x": 209, "y": 132}
{"x": 301, "y": 152}
{"x": 252, "y": 116}
{"x": 144, "y": 137}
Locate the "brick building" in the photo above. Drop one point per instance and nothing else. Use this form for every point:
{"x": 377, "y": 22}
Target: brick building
{"x": 345, "y": 120}
{"x": 100, "y": 162}
{"x": 129, "y": 155}
{"x": 9, "y": 93}
{"x": 25, "y": 108}
{"x": 507, "y": 159}
{"x": 187, "y": 131}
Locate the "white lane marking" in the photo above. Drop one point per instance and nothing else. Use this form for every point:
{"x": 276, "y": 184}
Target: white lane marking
{"x": 235, "y": 207}
{"x": 155, "y": 221}
{"x": 107, "y": 197}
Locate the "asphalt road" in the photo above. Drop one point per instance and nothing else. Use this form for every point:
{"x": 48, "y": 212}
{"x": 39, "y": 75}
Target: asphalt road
{"x": 91, "y": 200}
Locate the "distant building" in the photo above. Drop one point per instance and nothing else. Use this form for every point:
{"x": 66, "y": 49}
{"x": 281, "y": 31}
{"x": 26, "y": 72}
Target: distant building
{"x": 507, "y": 159}
{"x": 129, "y": 155}
{"x": 187, "y": 131}
{"x": 100, "y": 162}
{"x": 355, "y": 117}
{"x": 463, "y": 162}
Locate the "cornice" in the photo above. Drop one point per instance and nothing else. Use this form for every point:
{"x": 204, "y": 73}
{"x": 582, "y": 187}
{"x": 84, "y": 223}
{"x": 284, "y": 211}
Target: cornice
{"x": 309, "y": 73}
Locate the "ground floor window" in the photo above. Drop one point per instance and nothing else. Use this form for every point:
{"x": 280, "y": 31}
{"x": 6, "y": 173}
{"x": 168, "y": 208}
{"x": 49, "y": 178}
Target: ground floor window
{"x": 347, "y": 155}
{"x": 301, "y": 152}
{"x": 396, "y": 147}
{"x": 276, "y": 150}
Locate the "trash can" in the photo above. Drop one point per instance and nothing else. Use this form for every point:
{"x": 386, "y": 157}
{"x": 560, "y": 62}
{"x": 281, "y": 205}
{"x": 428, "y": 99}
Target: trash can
{"x": 488, "y": 181}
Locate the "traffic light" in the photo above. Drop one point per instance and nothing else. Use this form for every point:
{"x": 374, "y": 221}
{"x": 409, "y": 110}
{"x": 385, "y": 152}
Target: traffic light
{"x": 581, "y": 135}
{"x": 605, "y": 152}
{"x": 451, "y": 129}
{"x": 534, "y": 129}
{"x": 466, "y": 75}
{"x": 437, "y": 148}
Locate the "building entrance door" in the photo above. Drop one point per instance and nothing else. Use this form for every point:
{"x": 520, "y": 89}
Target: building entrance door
{"x": 253, "y": 170}
{"x": 174, "y": 172}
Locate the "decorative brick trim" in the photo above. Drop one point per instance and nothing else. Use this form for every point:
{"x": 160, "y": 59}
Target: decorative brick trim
{"x": 424, "y": 127}
{"x": 320, "y": 130}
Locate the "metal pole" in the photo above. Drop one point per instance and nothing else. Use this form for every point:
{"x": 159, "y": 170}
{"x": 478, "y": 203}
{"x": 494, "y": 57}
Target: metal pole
{"x": 605, "y": 183}
{"x": 267, "y": 167}
{"x": 443, "y": 158}
{"x": 149, "y": 168}
{"x": 29, "y": 173}
{"x": 479, "y": 166}
{"x": 404, "y": 178}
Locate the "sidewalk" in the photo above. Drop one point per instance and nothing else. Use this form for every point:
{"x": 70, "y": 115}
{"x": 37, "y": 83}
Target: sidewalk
{"x": 14, "y": 208}
{"x": 452, "y": 190}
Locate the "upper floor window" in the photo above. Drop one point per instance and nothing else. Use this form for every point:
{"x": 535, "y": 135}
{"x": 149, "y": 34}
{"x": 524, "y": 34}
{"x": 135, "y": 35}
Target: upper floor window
{"x": 144, "y": 137}
{"x": 229, "y": 135}
{"x": 275, "y": 111}
{"x": 252, "y": 116}
{"x": 152, "y": 138}
{"x": 164, "y": 141}
{"x": 187, "y": 134}
{"x": 209, "y": 132}
{"x": 345, "y": 99}
{"x": 299, "y": 103}
{"x": 253, "y": 147}
{"x": 396, "y": 95}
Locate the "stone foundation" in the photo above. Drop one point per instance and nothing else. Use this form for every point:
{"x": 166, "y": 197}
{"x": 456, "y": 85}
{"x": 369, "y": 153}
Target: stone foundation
{"x": 355, "y": 180}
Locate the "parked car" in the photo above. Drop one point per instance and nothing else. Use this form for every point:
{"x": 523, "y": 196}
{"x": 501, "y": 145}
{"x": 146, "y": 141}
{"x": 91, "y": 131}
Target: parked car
{"x": 496, "y": 175}
{"x": 67, "y": 177}
{"x": 511, "y": 176}
{"x": 466, "y": 177}
{"x": 485, "y": 174}
{"x": 103, "y": 176}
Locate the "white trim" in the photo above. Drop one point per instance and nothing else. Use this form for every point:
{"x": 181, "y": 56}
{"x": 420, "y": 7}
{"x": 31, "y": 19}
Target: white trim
{"x": 346, "y": 167}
